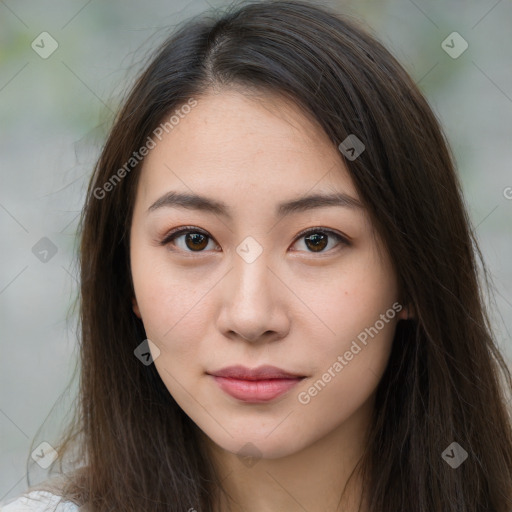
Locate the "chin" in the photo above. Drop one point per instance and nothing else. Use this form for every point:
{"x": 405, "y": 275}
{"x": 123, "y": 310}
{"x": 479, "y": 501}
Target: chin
{"x": 259, "y": 445}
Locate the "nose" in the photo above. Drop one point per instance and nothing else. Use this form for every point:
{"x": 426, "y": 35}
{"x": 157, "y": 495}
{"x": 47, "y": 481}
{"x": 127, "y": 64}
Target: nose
{"x": 253, "y": 303}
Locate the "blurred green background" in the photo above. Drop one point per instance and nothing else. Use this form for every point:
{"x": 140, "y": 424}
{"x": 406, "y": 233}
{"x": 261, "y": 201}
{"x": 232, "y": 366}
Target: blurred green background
{"x": 54, "y": 113}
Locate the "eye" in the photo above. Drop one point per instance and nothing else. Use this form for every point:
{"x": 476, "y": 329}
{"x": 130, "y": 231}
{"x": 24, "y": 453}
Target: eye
{"x": 317, "y": 239}
{"x": 196, "y": 240}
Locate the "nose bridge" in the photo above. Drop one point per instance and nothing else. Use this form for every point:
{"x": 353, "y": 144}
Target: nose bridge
{"x": 250, "y": 306}
{"x": 251, "y": 274}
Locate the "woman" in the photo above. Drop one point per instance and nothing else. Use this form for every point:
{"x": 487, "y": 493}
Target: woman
{"x": 280, "y": 304}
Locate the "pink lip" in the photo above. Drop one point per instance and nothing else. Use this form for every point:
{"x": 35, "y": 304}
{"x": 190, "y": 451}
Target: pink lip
{"x": 255, "y": 390}
{"x": 255, "y": 385}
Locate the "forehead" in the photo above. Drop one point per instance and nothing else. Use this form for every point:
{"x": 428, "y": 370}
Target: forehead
{"x": 247, "y": 146}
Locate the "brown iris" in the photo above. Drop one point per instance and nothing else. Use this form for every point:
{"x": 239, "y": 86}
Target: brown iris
{"x": 198, "y": 241}
{"x": 318, "y": 241}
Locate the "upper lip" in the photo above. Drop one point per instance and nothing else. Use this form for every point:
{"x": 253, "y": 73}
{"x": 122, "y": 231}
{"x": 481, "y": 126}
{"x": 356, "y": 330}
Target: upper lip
{"x": 259, "y": 373}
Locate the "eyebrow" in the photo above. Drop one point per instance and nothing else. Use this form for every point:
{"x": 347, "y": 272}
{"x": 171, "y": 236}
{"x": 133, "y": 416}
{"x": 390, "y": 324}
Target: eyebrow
{"x": 191, "y": 201}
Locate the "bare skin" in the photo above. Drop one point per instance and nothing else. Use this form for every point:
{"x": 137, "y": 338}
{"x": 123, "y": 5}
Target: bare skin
{"x": 206, "y": 307}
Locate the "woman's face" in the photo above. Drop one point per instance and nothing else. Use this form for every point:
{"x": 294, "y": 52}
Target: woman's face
{"x": 256, "y": 283}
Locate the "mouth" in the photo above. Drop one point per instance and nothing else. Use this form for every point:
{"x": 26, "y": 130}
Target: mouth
{"x": 257, "y": 385}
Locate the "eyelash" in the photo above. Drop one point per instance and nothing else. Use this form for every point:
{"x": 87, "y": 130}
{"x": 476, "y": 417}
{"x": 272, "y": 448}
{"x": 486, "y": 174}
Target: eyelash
{"x": 172, "y": 235}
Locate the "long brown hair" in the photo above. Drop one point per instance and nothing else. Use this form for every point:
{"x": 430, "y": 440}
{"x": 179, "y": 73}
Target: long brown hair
{"x": 139, "y": 450}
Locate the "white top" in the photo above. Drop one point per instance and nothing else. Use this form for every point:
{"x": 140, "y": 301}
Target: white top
{"x": 38, "y": 501}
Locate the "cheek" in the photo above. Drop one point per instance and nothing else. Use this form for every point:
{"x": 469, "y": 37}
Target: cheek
{"x": 350, "y": 359}
{"x": 347, "y": 370}
{"x": 170, "y": 305}
{"x": 173, "y": 319}
{"x": 350, "y": 300}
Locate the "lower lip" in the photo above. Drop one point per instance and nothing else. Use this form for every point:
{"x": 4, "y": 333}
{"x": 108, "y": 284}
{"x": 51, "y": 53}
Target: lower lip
{"x": 255, "y": 390}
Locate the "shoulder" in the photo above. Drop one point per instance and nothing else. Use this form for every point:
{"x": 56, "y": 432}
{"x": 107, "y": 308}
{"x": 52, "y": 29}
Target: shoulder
{"x": 38, "y": 501}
